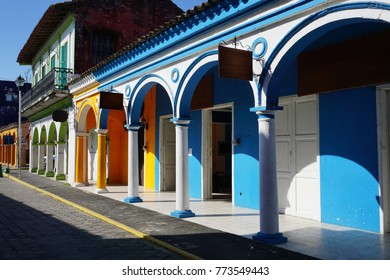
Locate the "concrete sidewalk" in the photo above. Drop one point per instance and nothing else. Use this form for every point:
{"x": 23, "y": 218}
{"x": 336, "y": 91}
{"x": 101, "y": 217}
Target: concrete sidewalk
{"x": 309, "y": 237}
{"x": 198, "y": 240}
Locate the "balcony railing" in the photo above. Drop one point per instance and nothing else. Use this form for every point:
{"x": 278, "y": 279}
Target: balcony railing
{"x": 55, "y": 80}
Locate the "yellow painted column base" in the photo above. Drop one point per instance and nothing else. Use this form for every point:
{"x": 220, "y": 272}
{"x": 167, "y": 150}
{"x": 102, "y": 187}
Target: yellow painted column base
{"x": 79, "y": 160}
{"x": 101, "y": 161}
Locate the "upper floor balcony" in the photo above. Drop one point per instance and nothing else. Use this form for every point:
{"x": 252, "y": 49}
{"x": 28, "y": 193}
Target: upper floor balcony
{"x": 48, "y": 91}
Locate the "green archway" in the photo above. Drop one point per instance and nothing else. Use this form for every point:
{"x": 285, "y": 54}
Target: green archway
{"x": 63, "y": 135}
{"x": 43, "y": 136}
{"x": 35, "y": 139}
{"x": 52, "y": 134}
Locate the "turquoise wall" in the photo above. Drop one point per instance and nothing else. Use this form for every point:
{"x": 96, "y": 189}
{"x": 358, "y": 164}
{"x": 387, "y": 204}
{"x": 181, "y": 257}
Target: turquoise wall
{"x": 349, "y": 159}
{"x": 195, "y": 161}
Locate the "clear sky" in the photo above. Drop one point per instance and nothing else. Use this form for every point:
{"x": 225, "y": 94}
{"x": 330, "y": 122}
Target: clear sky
{"x": 17, "y": 20}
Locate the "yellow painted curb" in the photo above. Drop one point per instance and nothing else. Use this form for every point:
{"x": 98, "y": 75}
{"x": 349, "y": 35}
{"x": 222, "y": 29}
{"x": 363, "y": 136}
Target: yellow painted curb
{"x": 133, "y": 231}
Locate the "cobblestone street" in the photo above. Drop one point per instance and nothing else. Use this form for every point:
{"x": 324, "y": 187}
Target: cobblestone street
{"x": 35, "y": 226}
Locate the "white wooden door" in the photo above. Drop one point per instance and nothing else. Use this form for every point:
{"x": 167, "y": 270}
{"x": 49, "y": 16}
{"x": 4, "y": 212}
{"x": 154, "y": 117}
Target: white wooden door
{"x": 168, "y": 155}
{"x": 383, "y": 113}
{"x": 297, "y": 157}
{"x": 385, "y": 155}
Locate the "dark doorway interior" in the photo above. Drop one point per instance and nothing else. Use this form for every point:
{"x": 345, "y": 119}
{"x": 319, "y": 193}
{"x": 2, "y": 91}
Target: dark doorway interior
{"x": 222, "y": 154}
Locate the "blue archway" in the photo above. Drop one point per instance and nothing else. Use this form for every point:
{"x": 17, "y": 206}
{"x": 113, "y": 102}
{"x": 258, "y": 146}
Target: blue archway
{"x": 141, "y": 89}
{"x": 310, "y": 34}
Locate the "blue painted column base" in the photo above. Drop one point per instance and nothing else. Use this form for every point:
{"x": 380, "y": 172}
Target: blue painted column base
{"x": 272, "y": 239}
{"x": 134, "y": 199}
{"x": 182, "y": 214}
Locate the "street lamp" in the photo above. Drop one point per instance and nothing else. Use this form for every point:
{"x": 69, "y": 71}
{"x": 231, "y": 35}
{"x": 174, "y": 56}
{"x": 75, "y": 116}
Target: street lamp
{"x": 19, "y": 83}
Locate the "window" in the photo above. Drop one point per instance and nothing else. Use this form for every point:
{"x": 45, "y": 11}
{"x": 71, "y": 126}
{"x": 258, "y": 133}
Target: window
{"x": 52, "y": 62}
{"x": 36, "y": 78}
{"x": 102, "y": 45}
{"x": 10, "y": 95}
{"x": 64, "y": 56}
{"x": 62, "y": 78}
{"x": 43, "y": 70}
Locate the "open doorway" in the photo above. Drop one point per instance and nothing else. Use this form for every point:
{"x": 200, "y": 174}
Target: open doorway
{"x": 218, "y": 153}
{"x": 168, "y": 155}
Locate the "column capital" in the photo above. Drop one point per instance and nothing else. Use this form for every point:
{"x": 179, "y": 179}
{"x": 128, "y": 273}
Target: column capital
{"x": 101, "y": 131}
{"x": 266, "y": 112}
{"x": 181, "y": 121}
{"x": 133, "y": 126}
{"x": 266, "y": 109}
{"x": 81, "y": 134}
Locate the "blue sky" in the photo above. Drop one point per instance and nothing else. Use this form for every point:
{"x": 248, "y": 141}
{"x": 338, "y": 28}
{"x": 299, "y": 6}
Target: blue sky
{"x": 17, "y": 20}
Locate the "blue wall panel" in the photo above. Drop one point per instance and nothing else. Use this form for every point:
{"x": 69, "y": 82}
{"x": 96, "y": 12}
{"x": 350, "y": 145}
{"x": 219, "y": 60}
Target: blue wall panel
{"x": 245, "y": 156}
{"x": 246, "y": 181}
{"x": 349, "y": 160}
{"x": 246, "y": 163}
{"x": 195, "y": 161}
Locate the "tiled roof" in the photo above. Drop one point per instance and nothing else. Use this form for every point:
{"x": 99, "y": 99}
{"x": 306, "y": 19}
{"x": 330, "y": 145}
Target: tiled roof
{"x": 163, "y": 28}
{"x": 51, "y": 19}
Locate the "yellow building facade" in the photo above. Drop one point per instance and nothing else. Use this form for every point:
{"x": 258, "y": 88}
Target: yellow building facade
{"x": 102, "y": 141}
{"x": 9, "y": 145}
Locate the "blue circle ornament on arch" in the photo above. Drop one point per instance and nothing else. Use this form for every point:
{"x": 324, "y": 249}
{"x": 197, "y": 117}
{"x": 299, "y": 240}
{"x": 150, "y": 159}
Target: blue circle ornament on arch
{"x": 127, "y": 91}
{"x": 175, "y": 75}
{"x": 259, "y": 48}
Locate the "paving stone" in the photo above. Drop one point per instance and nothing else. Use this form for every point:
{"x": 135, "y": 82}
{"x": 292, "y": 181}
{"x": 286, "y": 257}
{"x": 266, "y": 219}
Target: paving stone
{"x": 196, "y": 239}
{"x": 34, "y": 226}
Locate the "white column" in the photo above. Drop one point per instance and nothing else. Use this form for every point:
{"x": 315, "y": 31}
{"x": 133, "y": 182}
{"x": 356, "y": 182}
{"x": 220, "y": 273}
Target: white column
{"x": 71, "y": 149}
{"x": 60, "y": 174}
{"x": 269, "y": 210}
{"x": 33, "y": 158}
{"x": 49, "y": 160}
{"x": 182, "y": 183}
{"x": 41, "y": 158}
{"x": 133, "y": 177}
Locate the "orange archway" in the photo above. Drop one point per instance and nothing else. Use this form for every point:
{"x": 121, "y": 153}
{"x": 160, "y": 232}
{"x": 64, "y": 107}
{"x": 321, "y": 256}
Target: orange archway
{"x": 87, "y": 123}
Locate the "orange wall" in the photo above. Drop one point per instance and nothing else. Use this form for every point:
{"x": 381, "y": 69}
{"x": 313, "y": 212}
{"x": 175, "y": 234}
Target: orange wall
{"x": 91, "y": 120}
{"x": 79, "y": 164}
{"x": 117, "y": 148}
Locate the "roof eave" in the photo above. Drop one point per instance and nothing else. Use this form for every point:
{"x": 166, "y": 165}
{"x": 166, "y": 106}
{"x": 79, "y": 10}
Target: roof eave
{"x": 49, "y": 22}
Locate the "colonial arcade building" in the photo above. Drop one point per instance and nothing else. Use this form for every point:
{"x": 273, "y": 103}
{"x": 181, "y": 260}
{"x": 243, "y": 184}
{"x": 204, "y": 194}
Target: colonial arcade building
{"x": 307, "y": 134}
{"x": 70, "y": 38}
